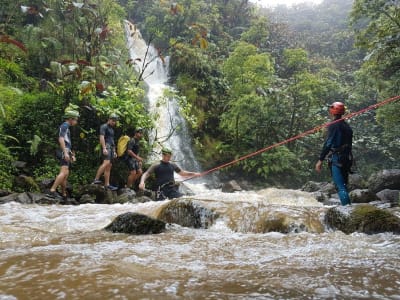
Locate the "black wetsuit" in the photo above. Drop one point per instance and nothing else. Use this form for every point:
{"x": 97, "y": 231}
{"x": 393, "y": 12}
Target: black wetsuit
{"x": 338, "y": 146}
{"x": 166, "y": 186}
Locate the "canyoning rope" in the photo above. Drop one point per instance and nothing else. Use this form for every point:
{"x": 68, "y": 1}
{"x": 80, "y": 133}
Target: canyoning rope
{"x": 301, "y": 135}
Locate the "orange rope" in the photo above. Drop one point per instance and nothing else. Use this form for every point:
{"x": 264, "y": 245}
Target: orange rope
{"x": 301, "y": 135}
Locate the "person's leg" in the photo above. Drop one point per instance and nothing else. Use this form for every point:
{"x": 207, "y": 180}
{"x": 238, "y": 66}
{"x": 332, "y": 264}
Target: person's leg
{"x": 64, "y": 171}
{"x": 64, "y": 184}
{"x": 138, "y": 174}
{"x": 131, "y": 179}
{"x": 340, "y": 183}
{"x": 107, "y": 172}
{"x": 172, "y": 192}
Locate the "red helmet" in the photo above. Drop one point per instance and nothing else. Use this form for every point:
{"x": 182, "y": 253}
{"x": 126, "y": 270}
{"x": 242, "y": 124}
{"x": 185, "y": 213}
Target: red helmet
{"x": 337, "y": 108}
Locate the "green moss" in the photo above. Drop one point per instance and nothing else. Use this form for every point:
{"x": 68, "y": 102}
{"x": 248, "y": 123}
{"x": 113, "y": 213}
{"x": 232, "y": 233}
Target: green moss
{"x": 370, "y": 220}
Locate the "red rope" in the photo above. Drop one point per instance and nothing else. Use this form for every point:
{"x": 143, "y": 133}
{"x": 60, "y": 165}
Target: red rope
{"x": 301, "y": 135}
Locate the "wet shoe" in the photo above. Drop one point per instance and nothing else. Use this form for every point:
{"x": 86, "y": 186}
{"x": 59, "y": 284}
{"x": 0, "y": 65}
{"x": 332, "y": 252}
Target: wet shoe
{"x": 111, "y": 187}
{"x": 54, "y": 195}
{"x": 96, "y": 181}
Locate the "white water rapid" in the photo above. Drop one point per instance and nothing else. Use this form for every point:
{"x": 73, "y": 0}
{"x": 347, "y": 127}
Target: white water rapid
{"x": 170, "y": 122}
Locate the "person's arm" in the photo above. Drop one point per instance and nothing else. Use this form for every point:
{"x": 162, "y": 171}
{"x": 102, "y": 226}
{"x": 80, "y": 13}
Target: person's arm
{"x": 184, "y": 173}
{"x": 332, "y": 131}
{"x": 103, "y": 144}
{"x": 131, "y": 153}
{"x": 146, "y": 175}
{"x": 64, "y": 149}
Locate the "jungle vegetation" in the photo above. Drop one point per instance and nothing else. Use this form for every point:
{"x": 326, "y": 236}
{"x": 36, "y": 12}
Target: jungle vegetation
{"x": 249, "y": 76}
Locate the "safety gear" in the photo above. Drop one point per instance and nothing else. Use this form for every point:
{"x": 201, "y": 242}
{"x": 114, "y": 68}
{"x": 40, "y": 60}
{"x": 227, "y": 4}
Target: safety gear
{"x": 337, "y": 108}
{"x": 166, "y": 151}
{"x": 122, "y": 145}
{"x": 71, "y": 114}
{"x": 139, "y": 130}
{"x": 113, "y": 117}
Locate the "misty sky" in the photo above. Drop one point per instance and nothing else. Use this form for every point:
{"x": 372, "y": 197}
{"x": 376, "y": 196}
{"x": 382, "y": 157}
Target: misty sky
{"x": 270, "y": 3}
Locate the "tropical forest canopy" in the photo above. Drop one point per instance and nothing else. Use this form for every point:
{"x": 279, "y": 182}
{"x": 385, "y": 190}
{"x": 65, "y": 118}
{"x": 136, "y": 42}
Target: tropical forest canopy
{"x": 246, "y": 77}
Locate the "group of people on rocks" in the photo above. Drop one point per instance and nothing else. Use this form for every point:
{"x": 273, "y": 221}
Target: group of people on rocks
{"x": 163, "y": 170}
{"x": 337, "y": 149}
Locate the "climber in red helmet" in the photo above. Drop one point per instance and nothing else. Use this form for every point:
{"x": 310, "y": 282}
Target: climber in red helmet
{"x": 337, "y": 150}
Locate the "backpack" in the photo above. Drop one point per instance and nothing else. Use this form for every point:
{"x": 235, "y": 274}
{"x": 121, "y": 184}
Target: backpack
{"x": 122, "y": 145}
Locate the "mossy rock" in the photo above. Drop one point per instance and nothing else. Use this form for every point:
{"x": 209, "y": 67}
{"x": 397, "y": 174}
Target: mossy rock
{"x": 362, "y": 218}
{"x": 137, "y": 224}
{"x": 187, "y": 213}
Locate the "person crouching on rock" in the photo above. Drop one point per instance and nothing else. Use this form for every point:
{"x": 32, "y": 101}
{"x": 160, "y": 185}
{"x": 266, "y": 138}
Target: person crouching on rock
{"x": 164, "y": 172}
{"x": 337, "y": 148}
{"x": 109, "y": 152}
{"x": 65, "y": 154}
{"x": 134, "y": 161}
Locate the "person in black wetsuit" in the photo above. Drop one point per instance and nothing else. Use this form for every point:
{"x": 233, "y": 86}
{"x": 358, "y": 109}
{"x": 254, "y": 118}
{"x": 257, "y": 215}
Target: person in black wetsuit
{"x": 65, "y": 154}
{"x": 133, "y": 160}
{"x": 108, "y": 149}
{"x": 337, "y": 148}
{"x": 164, "y": 172}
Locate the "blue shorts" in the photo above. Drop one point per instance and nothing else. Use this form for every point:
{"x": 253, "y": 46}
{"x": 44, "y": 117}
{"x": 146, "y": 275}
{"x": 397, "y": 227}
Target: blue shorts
{"x": 133, "y": 164}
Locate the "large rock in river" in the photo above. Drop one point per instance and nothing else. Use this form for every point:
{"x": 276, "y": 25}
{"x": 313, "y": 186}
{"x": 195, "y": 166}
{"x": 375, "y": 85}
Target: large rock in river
{"x": 187, "y": 213}
{"x": 362, "y": 196}
{"x": 362, "y": 218}
{"x": 134, "y": 223}
{"x": 386, "y": 179}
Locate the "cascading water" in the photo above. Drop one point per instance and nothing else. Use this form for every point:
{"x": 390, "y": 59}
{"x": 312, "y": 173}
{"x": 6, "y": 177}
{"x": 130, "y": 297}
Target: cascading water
{"x": 171, "y": 126}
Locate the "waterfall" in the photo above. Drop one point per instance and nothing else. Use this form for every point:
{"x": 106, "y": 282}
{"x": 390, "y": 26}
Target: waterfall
{"x": 155, "y": 75}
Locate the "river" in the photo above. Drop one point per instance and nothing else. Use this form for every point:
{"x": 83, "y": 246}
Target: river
{"x": 61, "y": 252}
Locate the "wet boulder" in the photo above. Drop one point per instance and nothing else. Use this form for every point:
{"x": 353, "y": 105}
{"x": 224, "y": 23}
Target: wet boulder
{"x": 187, "y": 213}
{"x": 322, "y": 187}
{"x": 356, "y": 181}
{"x": 363, "y": 218}
{"x": 231, "y": 187}
{"x": 135, "y": 223}
{"x": 102, "y": 195}
{"x": 386, "y": 179}
{"x": 362, "y": 196}
{"x": 4, "y": 193}
{"x": 29, "y": 198}
{"x": 392, "y": 196}
{"x": 87, "y": 199}
{"x": 126, "y": 195}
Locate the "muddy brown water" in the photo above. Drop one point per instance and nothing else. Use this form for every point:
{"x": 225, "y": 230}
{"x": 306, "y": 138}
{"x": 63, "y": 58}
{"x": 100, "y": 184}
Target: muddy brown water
{"x": 60, "y": 252}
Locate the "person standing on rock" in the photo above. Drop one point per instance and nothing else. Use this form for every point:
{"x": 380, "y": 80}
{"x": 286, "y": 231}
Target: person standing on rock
{"x": 109, "y": 152}
{"x": 337, "y": 148}
{"x": 134, "y": 161}
{"x": 65, "y": 154}
{"x": 164, "y": 173}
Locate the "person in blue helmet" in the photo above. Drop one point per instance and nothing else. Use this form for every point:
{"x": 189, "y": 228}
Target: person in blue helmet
{"x": 337, "y": 148}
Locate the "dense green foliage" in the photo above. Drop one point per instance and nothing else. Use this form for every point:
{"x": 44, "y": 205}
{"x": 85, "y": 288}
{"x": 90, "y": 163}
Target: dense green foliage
{"x": 248, "y": 78}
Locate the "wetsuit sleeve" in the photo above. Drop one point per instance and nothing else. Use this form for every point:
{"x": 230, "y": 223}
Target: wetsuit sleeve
{"x": 103, "y": 129}
{"x": 333, "y": 131}
{"x": 176, "y": 168}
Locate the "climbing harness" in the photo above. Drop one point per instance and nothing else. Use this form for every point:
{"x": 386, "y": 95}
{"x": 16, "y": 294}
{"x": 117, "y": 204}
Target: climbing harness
{"x": 299, "y": 136}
